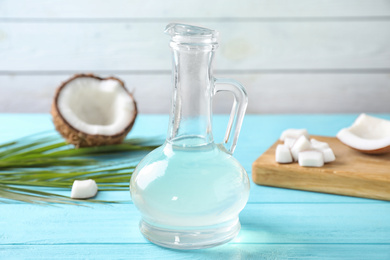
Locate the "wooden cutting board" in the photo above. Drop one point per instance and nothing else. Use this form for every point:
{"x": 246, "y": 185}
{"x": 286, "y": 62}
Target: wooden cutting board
{"x": 352, "y": 173}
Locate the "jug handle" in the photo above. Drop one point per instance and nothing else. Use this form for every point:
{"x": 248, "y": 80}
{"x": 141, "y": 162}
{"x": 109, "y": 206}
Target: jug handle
{"x": 238, "y": 109}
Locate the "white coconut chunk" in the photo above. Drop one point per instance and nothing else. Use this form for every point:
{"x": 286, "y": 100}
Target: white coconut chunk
{"x": 289, "y": 142}
{"x": 96, "y": 107}
{"x": 283, "y": 154}
{"x": 311, "y": 159}
{"x": 84, "y": 189}
{"x": 294, "y": 133}
{"x": 328, "y": 155}
{"x": 367, "y": 134}
{"x": 317, "y": 145}
{"x": 302, "y": 144}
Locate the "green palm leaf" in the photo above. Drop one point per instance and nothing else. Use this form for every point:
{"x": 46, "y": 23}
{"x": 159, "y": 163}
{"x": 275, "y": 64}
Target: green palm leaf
{"x": 45, "y": 160}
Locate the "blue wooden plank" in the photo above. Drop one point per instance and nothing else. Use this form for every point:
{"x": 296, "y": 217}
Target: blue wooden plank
{"x": 258, "y": 194}
{"x": 261, "y": 223}
{"x": 229, "y": 251}
{"x": 257, "y": 134}
{"x": 257, "y": 129}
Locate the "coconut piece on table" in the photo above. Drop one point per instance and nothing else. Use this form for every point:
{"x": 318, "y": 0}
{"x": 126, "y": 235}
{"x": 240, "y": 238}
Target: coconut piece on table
{"x": 328, "y": 155}
{"x": 311, "y": 159}
{"x": 318, "y": 145}
{"x": 283, "y": 154}
{"x": 324, "y": 148}
{"x": 84, "y": 189}
{"x": 367, "y": 134}
{"x": 302, "y": 144}
{"x": 289, "y": 142}
{"x": 294, "y": 133}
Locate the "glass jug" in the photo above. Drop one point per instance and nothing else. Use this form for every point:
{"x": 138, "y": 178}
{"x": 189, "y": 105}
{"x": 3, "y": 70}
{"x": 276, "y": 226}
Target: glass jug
{"x": 190, "y": 190}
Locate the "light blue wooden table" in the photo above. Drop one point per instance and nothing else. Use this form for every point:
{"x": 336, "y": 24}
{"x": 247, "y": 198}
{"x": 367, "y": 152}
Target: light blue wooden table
{"x": 276, "y": 223}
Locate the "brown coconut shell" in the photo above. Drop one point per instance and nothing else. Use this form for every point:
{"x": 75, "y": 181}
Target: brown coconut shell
{"x": 78, "y": 137}
{"x": 382, "y": 150}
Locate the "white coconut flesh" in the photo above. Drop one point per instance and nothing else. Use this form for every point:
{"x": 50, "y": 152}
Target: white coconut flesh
{"x": 96, "y": 107}
{"x": 367, "y": 133}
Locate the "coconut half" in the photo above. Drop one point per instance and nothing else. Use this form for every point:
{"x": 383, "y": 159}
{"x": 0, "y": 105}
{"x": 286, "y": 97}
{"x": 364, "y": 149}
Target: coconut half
{"x": 91, "y": 111}
{"x": 367, "y": 134}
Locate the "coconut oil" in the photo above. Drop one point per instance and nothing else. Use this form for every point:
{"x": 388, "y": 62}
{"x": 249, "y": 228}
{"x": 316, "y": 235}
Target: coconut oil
{"x": 185, "y": 190}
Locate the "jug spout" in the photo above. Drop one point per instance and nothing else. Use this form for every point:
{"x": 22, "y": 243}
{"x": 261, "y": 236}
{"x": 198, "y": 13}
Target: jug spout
{"x": 193, "y": 85}
{"x": 184, "y": 33}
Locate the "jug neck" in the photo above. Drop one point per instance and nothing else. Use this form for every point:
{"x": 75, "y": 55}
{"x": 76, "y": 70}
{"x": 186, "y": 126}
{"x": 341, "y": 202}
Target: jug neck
{"x": 190, "y": 117}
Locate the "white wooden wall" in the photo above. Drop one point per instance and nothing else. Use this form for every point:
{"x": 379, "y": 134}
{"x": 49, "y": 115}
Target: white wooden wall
{"x": 300, "y": 56}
